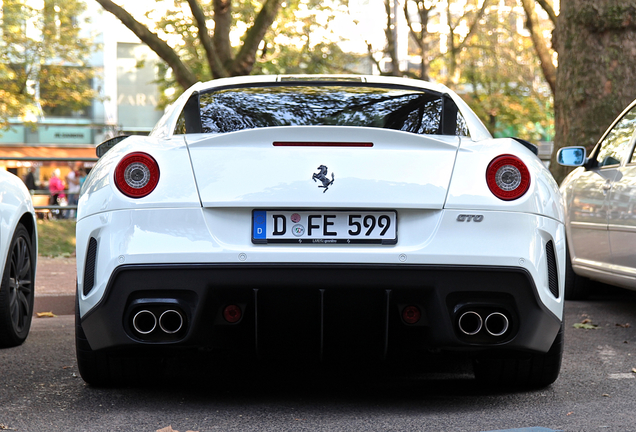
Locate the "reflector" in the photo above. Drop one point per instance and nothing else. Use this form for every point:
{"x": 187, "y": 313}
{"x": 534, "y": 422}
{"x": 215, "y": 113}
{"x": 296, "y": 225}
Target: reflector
{"x": 411, "y": 314}
{"x": 232, "y": 314}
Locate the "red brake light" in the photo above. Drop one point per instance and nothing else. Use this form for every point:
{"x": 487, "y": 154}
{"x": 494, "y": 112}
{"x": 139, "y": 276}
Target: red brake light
{"x": 508, "y": 177}
{"x": 411, "y": 314}
{"x": 136, "y": 175}
{"x": 232, "y": 314}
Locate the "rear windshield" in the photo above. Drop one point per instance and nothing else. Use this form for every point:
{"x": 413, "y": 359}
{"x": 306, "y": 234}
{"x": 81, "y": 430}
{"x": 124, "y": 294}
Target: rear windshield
{"x": 408, "y": 110}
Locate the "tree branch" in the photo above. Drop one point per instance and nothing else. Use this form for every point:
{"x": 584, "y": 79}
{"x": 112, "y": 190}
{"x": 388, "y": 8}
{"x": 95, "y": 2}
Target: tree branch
{"x": 222, "y": 27}
{"x": 244, "y": 61}
{"x": 540, "y": 45}
{"x": 549, "y": 9}
{"x": 417, "y": 36}
{"x": 215, "y": 64}
{"x": 473, "y": 26}
{"x": 183, "y": 74}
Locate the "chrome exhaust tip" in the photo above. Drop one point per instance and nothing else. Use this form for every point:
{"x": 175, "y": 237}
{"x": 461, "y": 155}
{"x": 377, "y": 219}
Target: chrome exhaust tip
{"x": 497, "y": 324}
{"x": 144, "y": 322}
{"x": 470, "y": 323}
{"x": 171, "y": 321}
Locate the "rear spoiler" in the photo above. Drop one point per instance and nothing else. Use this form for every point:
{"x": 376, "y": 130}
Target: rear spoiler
{"x": 532, "y": 147}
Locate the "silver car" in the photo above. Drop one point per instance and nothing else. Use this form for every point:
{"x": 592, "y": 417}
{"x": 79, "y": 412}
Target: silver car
{"x": 600, "y": 200}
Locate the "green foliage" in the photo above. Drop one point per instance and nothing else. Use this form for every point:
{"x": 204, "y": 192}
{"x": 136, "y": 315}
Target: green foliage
{"x": 43, "y": 59}
{"x": 501, "y": 79}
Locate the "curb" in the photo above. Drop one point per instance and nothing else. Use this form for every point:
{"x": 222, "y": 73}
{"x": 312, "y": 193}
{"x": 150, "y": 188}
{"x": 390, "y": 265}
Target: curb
{"x": 55, "y": 286}
{"x": 58, "y": 304}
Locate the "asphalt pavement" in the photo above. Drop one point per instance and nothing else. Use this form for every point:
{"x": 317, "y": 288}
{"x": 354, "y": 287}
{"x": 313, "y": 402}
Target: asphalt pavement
{"x": 55, "y": 286}
{"x": 40, "y": 386}
{"x": 41, "y": 390}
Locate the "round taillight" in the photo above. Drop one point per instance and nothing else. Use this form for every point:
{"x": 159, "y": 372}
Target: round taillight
{"x": 411, "y": 314}
{"x": 136, "y": 175}
{"x": 508, "y": 177}
{"x": 232, "y": 314}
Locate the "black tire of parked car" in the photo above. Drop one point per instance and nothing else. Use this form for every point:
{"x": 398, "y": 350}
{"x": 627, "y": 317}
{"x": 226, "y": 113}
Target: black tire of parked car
{"x": 521, "y": 370}
{"x": 576, "y": 287}
{"x": 17, "y": 290}
{"x": 93, "y": 366}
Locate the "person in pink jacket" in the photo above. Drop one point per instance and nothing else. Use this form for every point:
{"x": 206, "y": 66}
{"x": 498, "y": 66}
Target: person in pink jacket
{"x": 56, "y": 187}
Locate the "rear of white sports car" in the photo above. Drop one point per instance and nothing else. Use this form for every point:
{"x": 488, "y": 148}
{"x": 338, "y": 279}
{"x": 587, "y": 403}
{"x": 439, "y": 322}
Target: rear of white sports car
{"x": 322, "y": 219}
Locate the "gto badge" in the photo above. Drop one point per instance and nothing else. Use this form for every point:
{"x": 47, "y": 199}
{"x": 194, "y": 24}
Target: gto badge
{"x": 322, "y": 176}
{"x": 468, "y": 218}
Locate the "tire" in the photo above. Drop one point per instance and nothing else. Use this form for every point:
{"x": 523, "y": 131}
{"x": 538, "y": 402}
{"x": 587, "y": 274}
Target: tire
{"x": 111, "y": 368}
{"x": 519, "y": 370}
{"x": 576, "y": 287}
{"x": 93, "y": 366}
{"x": 17, "y": 290}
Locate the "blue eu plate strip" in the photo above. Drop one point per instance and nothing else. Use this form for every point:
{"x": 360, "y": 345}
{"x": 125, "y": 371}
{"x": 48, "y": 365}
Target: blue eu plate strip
{"x": 260, "y": 225}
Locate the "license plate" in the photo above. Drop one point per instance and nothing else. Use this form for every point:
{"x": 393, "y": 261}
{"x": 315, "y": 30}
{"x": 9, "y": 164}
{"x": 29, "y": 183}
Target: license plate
{"x": 324, "y": 227}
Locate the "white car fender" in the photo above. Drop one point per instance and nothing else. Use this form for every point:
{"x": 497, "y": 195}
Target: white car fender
{"x": 469, "y": 190}
{"x": 15, "y": 203}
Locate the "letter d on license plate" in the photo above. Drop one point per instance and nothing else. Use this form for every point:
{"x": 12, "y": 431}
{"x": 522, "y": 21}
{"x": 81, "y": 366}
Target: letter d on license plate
{"x": 324, "y": 227}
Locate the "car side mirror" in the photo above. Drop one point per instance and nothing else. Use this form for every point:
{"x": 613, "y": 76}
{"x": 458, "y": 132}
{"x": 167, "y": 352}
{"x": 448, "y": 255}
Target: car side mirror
{"x": 102, "y": 148}
{"x": 571, "y": 156}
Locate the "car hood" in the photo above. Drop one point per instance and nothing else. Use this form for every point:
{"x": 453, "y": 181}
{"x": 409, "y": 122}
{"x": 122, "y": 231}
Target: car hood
{"x": 325, "y": 166}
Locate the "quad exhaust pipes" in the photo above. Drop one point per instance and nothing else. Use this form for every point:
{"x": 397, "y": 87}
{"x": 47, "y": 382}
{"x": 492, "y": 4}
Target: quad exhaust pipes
{"x": 471, "y": 323}
{"x": 169, "y": 321}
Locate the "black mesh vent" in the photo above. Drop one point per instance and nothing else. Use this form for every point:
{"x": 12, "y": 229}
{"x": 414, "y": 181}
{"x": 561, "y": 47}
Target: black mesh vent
{"x": 89, "y": 268}
{"x": 553, "y": 279}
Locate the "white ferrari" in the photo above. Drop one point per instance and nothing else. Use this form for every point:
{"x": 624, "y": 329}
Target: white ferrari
{"x": 18, "y": 255}
{"x": 321, "y": 218}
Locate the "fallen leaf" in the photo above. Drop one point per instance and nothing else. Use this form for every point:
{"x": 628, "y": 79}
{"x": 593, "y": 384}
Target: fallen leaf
{"x": 5, "y": 427}
{"x": 46, "y": 315}
{"x": 634, "y": 370}
{"x": 626, "y": 325}
{"x": 570, "y": 413}
{"x": 586, "y": 321}
{"x": 584, "y": 325}
{"x": 167, "y": 429}
{"x": 606, "y": 395}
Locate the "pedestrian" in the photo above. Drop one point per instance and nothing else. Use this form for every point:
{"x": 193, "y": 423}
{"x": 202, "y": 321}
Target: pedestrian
{"x": 73, "y": 184}
{"x": 56, "y": 189}
{"x": 29, "y": 181}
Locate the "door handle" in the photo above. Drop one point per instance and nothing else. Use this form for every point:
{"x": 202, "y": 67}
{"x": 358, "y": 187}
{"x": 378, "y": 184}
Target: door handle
{"x": 606, "y": 187}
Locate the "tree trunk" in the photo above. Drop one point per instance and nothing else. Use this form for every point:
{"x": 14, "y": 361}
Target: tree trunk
{"x": 596, "y": 78}
{"x": 222, "y": 28}
{"x": 389, "y": 31}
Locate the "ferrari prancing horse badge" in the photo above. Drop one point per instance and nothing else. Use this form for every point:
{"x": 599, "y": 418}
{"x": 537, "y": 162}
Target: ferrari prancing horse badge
{"x": 322, "y": 176}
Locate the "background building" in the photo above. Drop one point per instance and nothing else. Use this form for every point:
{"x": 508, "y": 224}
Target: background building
{"x": 126, "y": 103}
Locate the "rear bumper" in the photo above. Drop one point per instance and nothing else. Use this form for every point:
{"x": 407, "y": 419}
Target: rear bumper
{"x": 321, "y": 311}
